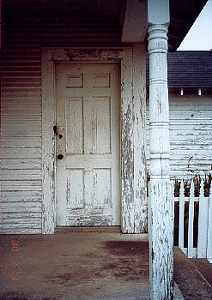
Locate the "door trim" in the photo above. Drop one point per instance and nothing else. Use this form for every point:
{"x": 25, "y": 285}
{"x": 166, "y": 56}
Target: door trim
{"x": 131, "y": 160}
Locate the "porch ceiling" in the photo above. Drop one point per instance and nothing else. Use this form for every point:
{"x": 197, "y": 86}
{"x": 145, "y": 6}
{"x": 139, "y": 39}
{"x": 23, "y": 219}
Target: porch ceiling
{"x": 109, "y": 13}
{"x": 183, "y": 13}
{"x": 110, "y": 10}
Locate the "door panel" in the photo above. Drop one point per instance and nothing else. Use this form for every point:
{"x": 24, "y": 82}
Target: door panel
{"x": 74, "y": 125}
{"x": 88, "y": 138}
{"x": 97, "y": 119}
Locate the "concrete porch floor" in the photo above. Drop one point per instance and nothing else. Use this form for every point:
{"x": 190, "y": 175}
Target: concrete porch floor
{"x": 74, "y": 265}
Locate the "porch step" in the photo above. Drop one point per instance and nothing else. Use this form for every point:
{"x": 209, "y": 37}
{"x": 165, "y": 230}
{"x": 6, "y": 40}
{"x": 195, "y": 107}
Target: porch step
{"x": 190, "y": 279}
{"x": 108, "y": 229}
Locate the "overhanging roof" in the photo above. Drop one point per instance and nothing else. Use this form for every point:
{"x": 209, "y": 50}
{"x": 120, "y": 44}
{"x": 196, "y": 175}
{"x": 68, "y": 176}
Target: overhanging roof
{"x": 190, "y": 69}
{"x": 97, "y": 14}
{"x": 183, "y": 13}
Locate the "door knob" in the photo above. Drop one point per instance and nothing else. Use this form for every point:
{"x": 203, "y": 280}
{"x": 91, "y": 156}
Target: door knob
{"x": 60, "y": 156}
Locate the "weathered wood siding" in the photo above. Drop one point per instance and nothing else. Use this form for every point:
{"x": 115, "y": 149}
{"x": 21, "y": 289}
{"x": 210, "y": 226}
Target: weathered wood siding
{"x": 190, "y": 134}
{"x": 20, "y": 141}
{"x": 25, "y": 32}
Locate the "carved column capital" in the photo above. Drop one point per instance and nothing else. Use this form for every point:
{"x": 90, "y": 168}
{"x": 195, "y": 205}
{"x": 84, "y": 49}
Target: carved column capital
{"x": 157, "y": 38}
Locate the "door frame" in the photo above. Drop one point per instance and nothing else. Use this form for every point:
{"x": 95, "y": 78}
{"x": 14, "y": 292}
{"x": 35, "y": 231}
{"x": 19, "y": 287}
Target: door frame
{"x": 132, "y": 149}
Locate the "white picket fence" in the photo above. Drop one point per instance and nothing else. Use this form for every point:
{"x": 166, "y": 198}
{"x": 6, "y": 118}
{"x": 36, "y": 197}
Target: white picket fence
{"x": 191, "y": 205}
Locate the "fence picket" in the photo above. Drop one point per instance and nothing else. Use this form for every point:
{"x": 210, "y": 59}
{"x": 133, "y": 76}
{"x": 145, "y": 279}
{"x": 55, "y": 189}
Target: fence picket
{"x": 181, "y": 217}
{"x": 209, "y": 246}
{"x": 202, "y": 234}
{"x": 202, "y": 223}
{"x": 191, "y": 250}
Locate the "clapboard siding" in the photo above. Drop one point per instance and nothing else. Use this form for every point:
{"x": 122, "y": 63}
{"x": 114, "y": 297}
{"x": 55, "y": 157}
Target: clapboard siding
{"x": 20, "y": 185}
{"x": 190, "y": 134}
{"x": 20, "y": 141}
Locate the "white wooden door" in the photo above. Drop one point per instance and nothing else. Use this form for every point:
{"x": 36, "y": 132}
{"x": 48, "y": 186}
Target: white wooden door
{"x": 88, "y": 176}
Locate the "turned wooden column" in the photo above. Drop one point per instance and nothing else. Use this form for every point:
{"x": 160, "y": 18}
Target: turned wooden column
{"x": 160, "y": 200}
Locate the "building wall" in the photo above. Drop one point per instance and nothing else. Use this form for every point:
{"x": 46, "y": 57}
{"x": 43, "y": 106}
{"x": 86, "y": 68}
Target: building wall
{"x": 20, "y": 138}
{"x": 20, "y": 132}
{"x": 190, "y": 134}
{"x": 20, "y": 141}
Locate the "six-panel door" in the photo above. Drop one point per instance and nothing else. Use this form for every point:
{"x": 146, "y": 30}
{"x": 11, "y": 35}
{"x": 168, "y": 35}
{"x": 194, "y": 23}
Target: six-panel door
{"x": 88, "y": 97}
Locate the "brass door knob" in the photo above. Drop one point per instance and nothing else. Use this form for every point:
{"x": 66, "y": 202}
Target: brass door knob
{"x": 60, "y": 156}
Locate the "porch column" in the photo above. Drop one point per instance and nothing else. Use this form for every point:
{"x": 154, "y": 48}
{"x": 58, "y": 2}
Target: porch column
{"x": 161, "y": 211}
